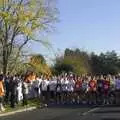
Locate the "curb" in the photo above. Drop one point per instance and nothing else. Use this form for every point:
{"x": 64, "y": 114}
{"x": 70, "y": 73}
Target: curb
{"x": 17, "y": 111}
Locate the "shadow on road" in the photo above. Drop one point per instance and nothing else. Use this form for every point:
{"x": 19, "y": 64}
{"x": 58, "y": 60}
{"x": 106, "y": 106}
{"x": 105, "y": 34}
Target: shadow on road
{"x": 80, "y": 106}
{"x": 70, "y": 106}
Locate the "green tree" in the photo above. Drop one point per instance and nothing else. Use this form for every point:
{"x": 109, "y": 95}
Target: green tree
{"x": 105, "y": 63}
{"x": 73, "y": 60}
{"x": 61, "y": 66}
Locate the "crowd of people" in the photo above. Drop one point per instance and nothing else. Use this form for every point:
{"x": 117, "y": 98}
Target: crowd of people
{"x": 63, "y": 89}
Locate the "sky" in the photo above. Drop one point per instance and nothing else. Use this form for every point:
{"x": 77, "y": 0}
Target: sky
{"x": 91, "y": 25}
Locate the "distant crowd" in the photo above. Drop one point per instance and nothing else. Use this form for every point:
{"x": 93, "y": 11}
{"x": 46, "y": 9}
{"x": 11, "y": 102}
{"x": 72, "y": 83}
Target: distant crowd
{"x": 62, "y": 89}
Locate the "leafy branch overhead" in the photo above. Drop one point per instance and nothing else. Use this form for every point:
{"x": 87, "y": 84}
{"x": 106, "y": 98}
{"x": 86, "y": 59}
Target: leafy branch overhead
{"x": 23, "y": 20}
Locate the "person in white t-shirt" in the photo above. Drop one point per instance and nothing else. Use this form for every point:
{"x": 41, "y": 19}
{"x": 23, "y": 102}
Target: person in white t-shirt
{"x": 19, "y": 90}
{"x": 117, "y": 83}
{"x": 25, "y": 92}
{"x": 44, "y": 90}
{"x": 64, "y": 85}
{"x": 52, "y": 87}
{"x": 70, "y": 88}
{"x": 36, "y": 85}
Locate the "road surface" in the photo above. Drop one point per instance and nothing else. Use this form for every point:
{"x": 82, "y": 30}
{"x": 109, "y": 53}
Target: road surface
{"x": 69, "y": 113}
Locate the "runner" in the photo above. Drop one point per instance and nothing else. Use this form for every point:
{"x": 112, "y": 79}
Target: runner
{"x": 70, "y": 87}
{"x": 36, "y": 85}
{"x": 78, "y": 90}
{"x": 52, "y": 88}
{"x": 25, "y": 92}
{"x": 106, "y": 90}
{"x": 2, "y": 93}
{"x": 64, "y": 83}
{"x": 112, "y": 95}
{"x": 92, "y": 91}
{"x": 58, "y": 90}
{"x": 44, "y": 90}
{"x": 85, "y": 88}
{"x": 100, "y": 89}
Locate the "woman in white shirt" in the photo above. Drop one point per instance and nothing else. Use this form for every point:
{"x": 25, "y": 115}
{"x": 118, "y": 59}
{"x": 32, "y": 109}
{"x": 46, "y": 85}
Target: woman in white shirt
{"x": 44, "y": 90}
{"x": 36, "y": 86}
{"x": 64, "y": 84}
{"x": 70, "y": 87}
{"x": 25, "y": 92}
{"x": 52, "y": 88}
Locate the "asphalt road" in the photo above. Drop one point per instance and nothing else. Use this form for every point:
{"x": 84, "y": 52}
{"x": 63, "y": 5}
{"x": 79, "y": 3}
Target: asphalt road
{"x": 69, "y": 113}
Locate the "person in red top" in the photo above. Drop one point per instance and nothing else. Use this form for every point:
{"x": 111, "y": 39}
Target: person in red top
{"x": 106, "y": 85}
{"x": 78, "y": 89}
{"x": 78, "y": 84}
{"x": 92, "y": 85}
{"x": 92, "y": 91}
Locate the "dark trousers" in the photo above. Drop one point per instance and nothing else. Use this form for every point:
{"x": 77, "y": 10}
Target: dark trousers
{"x": 7, "y": 96}
{"x": 44, "y": 97}
{"x": 36, "y": 90}
{"x": 100, "y": 97}
{"x": 13, "y": 100}
{"x": 52, "y": 95}
{"x": 1, "y": 99}
{"x": 25, "y": 100}
{"x": 92, "y": 97}
{"x": 58, "y": 97}
{"x": 64, "y": 96}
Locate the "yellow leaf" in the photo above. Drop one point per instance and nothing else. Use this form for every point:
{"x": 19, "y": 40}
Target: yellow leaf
{"x": 4, "y": 14}
{"x": 32, "y": 4}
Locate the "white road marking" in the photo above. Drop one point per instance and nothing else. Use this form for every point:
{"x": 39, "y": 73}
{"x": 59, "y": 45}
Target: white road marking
{"x": 92, "y": 110}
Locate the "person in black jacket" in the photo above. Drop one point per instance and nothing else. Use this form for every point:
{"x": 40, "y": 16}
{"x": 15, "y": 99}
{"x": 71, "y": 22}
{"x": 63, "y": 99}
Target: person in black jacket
{"x": 7, "y": 88}
{"x": 58, "y": 91}
{"x": 13, "y": 91}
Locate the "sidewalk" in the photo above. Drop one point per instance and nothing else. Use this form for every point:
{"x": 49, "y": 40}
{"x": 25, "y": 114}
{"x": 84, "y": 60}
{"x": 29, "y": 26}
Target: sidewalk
{"x": 17, "y": 111}
{"x": 32, "y": 105}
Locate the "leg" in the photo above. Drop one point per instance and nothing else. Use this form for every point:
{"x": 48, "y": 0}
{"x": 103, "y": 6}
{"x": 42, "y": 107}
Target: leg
{"x": 24, "y": 99}
{"x": 12, "y": 100}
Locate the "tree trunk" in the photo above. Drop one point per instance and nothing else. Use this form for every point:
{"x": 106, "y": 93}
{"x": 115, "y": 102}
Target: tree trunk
{"x": 4, "y": 67}
{"x": 5, "y": 60}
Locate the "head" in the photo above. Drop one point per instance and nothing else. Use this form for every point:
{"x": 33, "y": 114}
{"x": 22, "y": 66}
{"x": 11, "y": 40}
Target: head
{"x": 1, "y": 77}
{"x": 101, "y": 77}
{"x": 93, "y": 78}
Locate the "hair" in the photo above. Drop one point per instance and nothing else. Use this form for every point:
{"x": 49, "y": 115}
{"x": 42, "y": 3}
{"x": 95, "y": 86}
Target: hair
{"x": 1, "y": 77}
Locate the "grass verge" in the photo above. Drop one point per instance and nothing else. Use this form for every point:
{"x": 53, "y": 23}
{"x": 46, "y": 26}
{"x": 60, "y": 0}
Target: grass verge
{"x": 19, "y": 106}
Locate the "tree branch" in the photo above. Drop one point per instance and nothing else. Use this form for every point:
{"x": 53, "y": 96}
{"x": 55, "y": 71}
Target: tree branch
{"x": 19, "y": 50}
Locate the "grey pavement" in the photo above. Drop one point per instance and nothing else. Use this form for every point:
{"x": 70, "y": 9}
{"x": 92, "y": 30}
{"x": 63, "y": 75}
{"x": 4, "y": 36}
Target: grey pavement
{"x": 68, "y": 113}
